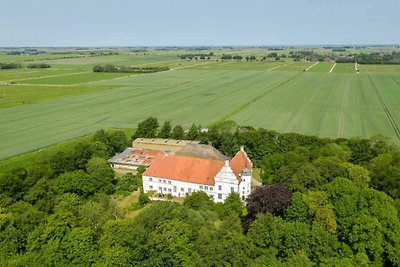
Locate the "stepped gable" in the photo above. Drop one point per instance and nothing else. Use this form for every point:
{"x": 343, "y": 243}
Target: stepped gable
{"x": 239, "y": 162}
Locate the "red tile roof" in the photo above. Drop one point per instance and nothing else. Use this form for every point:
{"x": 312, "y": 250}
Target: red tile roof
{"x": 185, "y": 169}
{"x": 239, "y": 162}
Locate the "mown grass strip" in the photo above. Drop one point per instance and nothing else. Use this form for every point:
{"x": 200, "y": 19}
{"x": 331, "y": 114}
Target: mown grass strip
{"x": 245, "y": 105}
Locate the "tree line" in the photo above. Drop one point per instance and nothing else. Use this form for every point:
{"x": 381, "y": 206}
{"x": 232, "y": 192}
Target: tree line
{"x": 125, "y": 69}
{"x": 237, "y": 57}
{"x": 7, "y": 66}
{"x": 197, "y": 56}
{"x": 323, "y": 202}
{"x": 371, "y": 58}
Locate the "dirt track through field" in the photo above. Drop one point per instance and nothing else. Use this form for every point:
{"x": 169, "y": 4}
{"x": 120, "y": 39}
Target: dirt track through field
{"x": 311, "y": 66}
{"x": 333, "y": 67}
{"x": 274, "y": 68}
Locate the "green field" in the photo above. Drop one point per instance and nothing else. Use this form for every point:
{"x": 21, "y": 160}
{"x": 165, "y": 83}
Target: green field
{"x": 15, "y": 95}
{"x": 45, "y": 107}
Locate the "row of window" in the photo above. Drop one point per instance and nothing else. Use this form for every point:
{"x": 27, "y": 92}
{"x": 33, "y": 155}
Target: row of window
{"x": 165, "y": 189}
{"x": 201, "y": 187}
{"x": 205, "y": 187}
{"x": 160, "y": 181}
{"x": 169, "y": 190}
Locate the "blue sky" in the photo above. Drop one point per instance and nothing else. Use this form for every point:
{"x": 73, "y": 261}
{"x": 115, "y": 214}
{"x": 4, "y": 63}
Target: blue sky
{"x": 205, "y": 22}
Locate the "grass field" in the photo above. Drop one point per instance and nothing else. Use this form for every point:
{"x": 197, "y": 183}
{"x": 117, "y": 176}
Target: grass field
{"x": 277, "y": 95}
{"x": 14, "y": 95}
{"x": 73, "y": 78}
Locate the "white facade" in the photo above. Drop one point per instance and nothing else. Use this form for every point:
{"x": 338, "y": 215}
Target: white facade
{"x": 225, "y": 182}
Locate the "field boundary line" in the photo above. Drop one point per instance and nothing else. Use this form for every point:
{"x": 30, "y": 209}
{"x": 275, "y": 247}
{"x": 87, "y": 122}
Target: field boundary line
{"x": 44, "y": 84}
{"x": 49, "y": 76}
{"x": 344, "y": 104}
{"x": 255, "y": 99}
{"x": 311, "y": 66}
{"x": 21, "y": 71}
{"x": 385, "y": 108}
{"x": 184, "y": 67}
{"x": 334, "y": 65}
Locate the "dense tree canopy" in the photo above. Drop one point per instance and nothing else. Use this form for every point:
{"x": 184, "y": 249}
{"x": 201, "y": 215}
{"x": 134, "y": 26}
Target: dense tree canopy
{"x": 323, "y": 203}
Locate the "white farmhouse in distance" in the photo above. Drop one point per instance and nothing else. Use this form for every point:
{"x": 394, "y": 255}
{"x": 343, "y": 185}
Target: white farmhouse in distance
{"x": 180, "y": 175}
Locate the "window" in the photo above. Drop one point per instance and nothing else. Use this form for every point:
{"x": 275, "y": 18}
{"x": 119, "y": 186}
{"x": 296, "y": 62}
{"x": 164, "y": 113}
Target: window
{"x": 160, "y": 189}
{"x": 164, "y": 181}
{"x": 232, "y": 189}
{"x": 182, "y": 189}
{"x": 159, "y": 180}
{"x": 220, "y": 187}
{"x": 151, "y": 187}
{"x": 150, "y": 179}
{"x": 169, "y": 182}
{"x": 219, "y": 196}
{"x": 201, "y": 187}
{"x": 190, "y": 190}
{"x": 169, "y": 189}
{"x": 242, "y": 197}
{"x": 174, "y": 188}
{"x": 206, "y": 187}
{"x": 211, "y": 189}
{"x": 165, "y": 189}
{"x": 243, "y": 192}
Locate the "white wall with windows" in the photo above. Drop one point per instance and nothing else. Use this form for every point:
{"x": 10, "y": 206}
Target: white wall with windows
{"x": 174, "y": 187}
{"x": 226, "y": 182}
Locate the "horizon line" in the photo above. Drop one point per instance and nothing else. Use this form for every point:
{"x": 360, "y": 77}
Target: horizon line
{"x": 211, "y": 46}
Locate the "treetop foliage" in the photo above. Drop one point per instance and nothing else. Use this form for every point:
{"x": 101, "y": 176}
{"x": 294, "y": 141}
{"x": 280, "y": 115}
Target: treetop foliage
{"x": 323, "y": 203}
{"x": 125, "y": 69}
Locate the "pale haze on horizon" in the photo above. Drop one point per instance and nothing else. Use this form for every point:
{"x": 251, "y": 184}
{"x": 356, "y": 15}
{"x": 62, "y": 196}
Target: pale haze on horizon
{"x": 193, "y": 23}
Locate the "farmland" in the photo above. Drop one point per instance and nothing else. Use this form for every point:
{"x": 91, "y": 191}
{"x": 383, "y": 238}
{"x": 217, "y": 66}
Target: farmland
{"x": 39, "y": 108}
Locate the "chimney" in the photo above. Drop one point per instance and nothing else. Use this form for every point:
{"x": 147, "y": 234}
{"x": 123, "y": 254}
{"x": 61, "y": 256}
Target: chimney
{"x": 241, "y": 148}
{"x": 227, "y": 163}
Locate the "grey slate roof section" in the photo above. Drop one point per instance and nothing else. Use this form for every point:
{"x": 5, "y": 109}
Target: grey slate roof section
{"x": 201, "y": 151}
{"x": 118, "y": 158}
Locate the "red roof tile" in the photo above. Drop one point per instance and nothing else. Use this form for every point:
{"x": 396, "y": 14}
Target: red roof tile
{"x": 239, "y": 162}
{"x": 185, "y": 169}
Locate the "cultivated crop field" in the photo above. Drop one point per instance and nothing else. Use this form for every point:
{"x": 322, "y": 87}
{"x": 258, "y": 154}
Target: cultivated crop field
{"x": 44, "y": 107}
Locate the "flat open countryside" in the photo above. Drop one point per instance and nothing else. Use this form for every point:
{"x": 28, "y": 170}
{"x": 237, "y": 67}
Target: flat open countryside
{"x": 41, "y": 107}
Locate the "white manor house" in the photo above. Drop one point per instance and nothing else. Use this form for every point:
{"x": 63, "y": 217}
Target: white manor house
{"x": 180, "y": 175}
